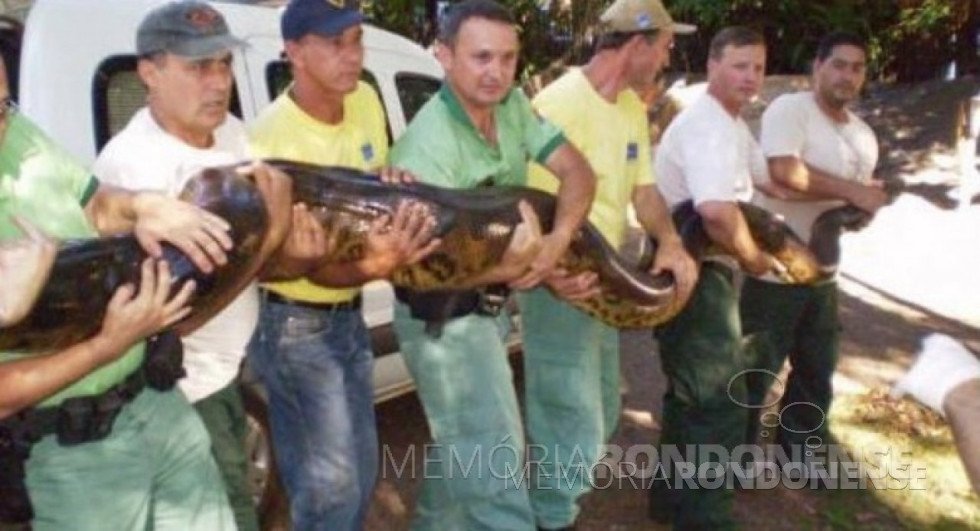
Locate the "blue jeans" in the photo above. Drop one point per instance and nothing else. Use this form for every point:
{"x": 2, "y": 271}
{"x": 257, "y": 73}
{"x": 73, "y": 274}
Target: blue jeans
{"x": 317, "y": 368}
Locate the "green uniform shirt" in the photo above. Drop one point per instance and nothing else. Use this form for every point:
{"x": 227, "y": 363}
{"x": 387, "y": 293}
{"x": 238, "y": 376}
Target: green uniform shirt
{"x": 442, "y": 146}
{"x": 43, "y": 185}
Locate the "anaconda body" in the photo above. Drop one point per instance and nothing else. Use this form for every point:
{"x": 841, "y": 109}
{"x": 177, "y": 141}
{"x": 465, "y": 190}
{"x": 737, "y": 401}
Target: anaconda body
{"x": 86, "y": 273}
{"x": 475, "y": 226}
{"x": 796, "y": 262}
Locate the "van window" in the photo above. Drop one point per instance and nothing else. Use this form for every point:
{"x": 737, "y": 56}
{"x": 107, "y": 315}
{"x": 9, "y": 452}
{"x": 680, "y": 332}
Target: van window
{"x": 278, "y": 76}
{"x": 117, "y": 94}
{"x": 11, "y": 39}
{"x": 413, "y": 91}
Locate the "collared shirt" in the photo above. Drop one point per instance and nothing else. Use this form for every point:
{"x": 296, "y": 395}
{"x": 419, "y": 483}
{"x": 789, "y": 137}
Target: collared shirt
{"x": 615, "y": 139}
{"x": 42, "y": 184}
{"x": 443, "y": 147}
{"x": 284, "y": 130}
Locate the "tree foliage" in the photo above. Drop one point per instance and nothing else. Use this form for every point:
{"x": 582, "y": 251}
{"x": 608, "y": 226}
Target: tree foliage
{"x": 909, "y": 40}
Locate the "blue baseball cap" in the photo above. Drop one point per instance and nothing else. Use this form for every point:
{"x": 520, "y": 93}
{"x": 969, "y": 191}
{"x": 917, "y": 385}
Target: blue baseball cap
{"x": 323, "y": 17}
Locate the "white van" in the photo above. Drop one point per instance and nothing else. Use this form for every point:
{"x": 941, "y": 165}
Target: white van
{"x": 77, "y": 80}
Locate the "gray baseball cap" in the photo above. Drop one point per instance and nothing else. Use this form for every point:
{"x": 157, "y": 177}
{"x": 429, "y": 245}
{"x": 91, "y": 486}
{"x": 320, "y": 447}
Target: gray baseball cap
{"x": 187, "y": 28}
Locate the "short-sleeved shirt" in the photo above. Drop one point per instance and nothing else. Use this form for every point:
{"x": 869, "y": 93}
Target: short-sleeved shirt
{"x": 360, "y": 141}
{"x": 614, "y": 137}
{"x": 143, "y": 156}
{"x": 706, "y": 154}
{"x": 443, "y": 147}
{"x": 794, "y": 125}
{"x": 42, "y": 184}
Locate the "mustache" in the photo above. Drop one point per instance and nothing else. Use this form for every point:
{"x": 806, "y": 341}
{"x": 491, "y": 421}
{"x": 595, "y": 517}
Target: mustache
{"x": 224, "y": 102}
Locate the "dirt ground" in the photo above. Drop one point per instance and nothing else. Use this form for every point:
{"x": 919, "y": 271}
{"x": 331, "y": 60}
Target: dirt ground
{"x": 910, "y": 273}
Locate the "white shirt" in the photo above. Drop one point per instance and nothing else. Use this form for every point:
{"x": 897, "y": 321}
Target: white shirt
{"x": 706, "y": 154}
{"x": 794, "y": 125}
{"x": 145, "y": 157}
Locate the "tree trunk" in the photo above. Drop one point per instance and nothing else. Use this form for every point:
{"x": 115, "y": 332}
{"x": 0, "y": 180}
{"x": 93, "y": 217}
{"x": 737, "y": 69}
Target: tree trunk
{"x": 967, "y": 60}
{"x": 432, "y": 22}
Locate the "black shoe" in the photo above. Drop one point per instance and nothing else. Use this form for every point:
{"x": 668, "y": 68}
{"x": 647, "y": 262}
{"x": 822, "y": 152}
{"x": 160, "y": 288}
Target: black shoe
{"x": 566, "y": 528}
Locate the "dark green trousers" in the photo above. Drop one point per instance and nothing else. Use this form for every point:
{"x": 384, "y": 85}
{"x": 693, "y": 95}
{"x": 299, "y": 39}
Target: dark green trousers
{"x": 224, "y": 417}
{"x": 702, "y": 358}
{"x": 800, "y": 322}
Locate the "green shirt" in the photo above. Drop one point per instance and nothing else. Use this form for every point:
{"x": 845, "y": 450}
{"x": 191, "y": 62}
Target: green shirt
{"x": 442, "y": 146}
{"x": 43, "y": 185}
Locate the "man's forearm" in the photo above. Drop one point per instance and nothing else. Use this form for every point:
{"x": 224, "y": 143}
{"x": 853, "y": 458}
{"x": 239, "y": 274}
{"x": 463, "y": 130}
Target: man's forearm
{"x": 793, "y": 173}
{"x": 783, "y": 193}
{"x": 726, "y": 227}
{"x": 576, "y": 189}
{"x": 25, "y": 382}
{"x": 653, "y": 214}
{"x": 574, "y": 200}
{"x": 113, "y": 210}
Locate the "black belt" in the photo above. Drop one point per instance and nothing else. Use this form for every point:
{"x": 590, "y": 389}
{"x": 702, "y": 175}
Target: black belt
{"x": 353, "y": 304}
{"x": 436, "y": 308}
{"x": 77, "y": 420}
{"x": 88, "y": 418}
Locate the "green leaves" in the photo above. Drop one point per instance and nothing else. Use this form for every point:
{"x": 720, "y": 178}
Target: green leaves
{"x": 908, "y": 40}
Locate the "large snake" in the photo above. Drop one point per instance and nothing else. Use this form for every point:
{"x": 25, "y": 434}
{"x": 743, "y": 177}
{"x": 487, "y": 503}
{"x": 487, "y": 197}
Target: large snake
{"x": 86, "y": 273}
{"x": 475, "y": 226}
{"x": 826, "y": 230}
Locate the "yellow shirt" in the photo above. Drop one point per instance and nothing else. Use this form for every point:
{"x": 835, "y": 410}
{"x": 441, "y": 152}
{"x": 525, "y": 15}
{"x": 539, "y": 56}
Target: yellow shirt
{"x": 285, "y": 131}
{"x": 613, "y": 137}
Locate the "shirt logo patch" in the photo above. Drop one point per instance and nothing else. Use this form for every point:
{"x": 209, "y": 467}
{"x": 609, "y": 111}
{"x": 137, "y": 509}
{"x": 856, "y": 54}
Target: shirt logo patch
{"x": 643, "y": 21}
{"x": 632, "y": 151}
{"x": 368, "y": 151}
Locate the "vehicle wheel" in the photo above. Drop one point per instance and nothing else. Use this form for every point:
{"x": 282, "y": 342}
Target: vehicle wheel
{"x": 271, "y": 503}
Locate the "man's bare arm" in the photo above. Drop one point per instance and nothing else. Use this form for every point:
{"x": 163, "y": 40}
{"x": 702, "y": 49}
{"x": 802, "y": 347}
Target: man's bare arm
{"x": 131, "y": 316}
{"x": 24, "y": 267}
{"x": 793, "y": 173}
{"x": 654, "y": 216}
{"x": 154, "y": 218}
{"x": 725, "y": 225}
{"x": 576, "y": 190}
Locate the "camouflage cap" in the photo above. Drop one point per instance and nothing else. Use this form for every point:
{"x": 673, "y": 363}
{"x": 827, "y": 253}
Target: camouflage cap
{"x": 187, "y": 28}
